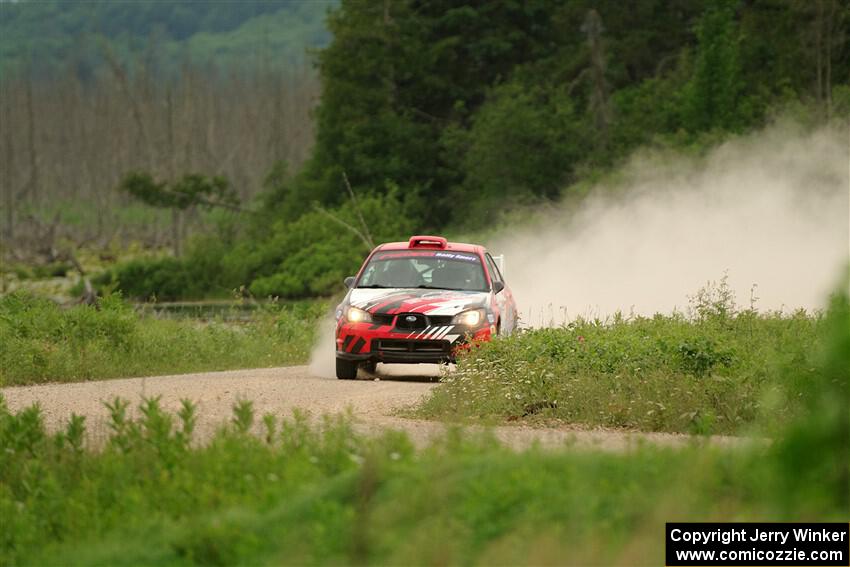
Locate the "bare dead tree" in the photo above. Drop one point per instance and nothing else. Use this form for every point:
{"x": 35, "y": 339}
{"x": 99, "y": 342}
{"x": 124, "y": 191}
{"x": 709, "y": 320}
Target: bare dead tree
{"x": 353, "y": 229}
{"x": 357, "y": 210}
{"x": 135, "y": 109}
{"x": 819, "y": 49}
{"x": 8, "y": 164}
{"x": 33, "y": 184}
{"x": 80, "y": 137}
{"x": 388, "y": 33}
{"x": 599, "y": 103}
{"x": 363, "y": 233}
{"x": 835, "y": 36}
{"x": 823, "y": 38}
{"x": 169, "y": 162}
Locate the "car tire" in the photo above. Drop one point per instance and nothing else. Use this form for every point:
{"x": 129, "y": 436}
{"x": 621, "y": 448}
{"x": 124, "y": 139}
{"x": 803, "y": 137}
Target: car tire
{"x": 346, "y": 369}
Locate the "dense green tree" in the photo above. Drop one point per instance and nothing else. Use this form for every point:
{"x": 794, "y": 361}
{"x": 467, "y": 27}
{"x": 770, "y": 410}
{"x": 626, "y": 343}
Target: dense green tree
{"x": 312, "y": 255}
{"x": 523, "y": 142}
{"x": 467, "y": 101}
{"x": 397, "y": 74}
{"x": 403, "y": 84}
{"x": 715, "y": 93}
{"x": 191, "y": 190}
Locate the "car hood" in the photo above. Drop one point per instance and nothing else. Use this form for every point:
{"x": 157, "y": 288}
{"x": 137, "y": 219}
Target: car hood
{"x": 428, "y": 301}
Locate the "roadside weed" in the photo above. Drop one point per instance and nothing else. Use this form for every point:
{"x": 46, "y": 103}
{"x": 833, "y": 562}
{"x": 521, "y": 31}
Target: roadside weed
{"x": 42, "y": 342}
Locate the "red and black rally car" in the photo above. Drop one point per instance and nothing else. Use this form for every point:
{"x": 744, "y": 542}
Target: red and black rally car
{"x": 420, "y": 301}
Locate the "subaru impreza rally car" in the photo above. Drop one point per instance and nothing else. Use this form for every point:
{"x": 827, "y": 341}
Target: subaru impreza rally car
{"x": 420, "y": 301}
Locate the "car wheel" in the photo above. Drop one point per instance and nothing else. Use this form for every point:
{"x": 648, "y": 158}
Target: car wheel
{"x": 346, "y": 369}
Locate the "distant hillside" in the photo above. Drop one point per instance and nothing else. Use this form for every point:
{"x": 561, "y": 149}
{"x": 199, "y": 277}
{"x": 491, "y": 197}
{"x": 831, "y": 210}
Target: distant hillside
{"x": 55, "y": 34}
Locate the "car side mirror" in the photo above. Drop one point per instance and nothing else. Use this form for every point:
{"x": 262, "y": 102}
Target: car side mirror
{"x": 349, "y": 281}
{"x": 498, "y": 286}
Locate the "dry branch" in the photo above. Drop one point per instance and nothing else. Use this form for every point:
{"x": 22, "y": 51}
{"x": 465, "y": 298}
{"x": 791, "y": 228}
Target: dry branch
{"x": 342, "y": 223}
{"x": 369, "y": 240}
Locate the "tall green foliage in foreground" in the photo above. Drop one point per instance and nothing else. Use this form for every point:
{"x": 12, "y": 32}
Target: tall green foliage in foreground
{"x": 299, "y": 493}
{"x": 41, "y": 342}
{"x": 815, "y": 449}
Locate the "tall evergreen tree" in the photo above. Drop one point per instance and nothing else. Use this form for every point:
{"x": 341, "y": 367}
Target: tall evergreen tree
{"x": 715, "y": 92}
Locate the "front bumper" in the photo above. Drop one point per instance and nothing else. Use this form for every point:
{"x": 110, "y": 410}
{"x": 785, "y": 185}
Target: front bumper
{"x": 367, "y": 342}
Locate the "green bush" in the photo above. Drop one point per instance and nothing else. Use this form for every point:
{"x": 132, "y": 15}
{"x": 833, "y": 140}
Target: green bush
{"x": 311, "y": 256}
{"x": 41, "y": 342}
{"x": 292, "y": 259}
{"x": 707, "y": 373}
{"x": 162, "y": 278}
{"x": 201, "y": 274}
{"x": 52, "y": 270}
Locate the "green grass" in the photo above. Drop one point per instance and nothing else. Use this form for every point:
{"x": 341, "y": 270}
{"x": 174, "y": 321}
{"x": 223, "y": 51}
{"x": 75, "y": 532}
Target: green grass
{"x": 286, "y": 491}
{"x": 713, "y": 371}
{"x": 42, "y": 342}
{"x": 301, "y": 495}
{"x": 80, "y": 214}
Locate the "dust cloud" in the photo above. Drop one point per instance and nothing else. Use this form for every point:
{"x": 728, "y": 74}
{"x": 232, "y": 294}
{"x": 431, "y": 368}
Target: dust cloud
{"x": 768, "y": 210}
{"x": 322, "y": 357}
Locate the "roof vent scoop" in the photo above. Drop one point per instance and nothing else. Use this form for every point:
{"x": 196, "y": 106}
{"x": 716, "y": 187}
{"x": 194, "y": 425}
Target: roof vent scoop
{"x": 434, "y": 242}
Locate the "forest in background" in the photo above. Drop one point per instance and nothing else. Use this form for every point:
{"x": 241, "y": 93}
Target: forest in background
{"x": 90, "y": 91}
{"x": 437, "y": 116}
{"x": 47, "y": 35}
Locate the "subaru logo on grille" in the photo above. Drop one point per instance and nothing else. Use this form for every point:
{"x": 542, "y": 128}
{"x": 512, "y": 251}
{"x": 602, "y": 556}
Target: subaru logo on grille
{"x": 410, "y": 318}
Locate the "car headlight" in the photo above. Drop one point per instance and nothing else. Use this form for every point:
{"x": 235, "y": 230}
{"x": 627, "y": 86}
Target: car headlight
{"x": 469, "y": 318}
{"x": 357, "y": 315}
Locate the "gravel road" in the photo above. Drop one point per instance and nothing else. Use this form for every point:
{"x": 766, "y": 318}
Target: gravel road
{"x": 373, "y": 403}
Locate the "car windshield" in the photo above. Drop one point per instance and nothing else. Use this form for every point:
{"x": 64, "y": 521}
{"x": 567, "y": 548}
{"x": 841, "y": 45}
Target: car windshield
{"x": 424, "y": 269}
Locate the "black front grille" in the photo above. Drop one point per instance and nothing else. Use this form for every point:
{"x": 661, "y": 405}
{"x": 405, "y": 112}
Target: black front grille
{"x": 411, "y": 321}
{"x": 440, "y": 320}
{"x": 380, "y": 319}
{"x": 401, "y": 345}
